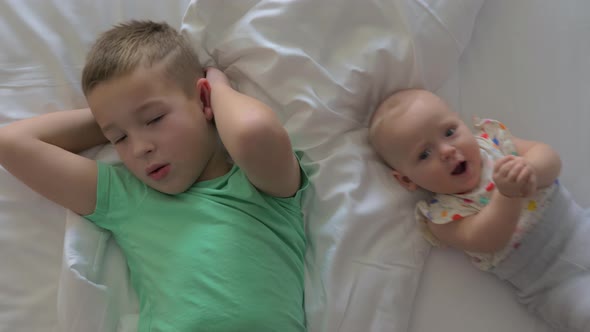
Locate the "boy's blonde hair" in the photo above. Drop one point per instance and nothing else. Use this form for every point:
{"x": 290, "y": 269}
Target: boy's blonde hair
{"x": 132, "y": 44}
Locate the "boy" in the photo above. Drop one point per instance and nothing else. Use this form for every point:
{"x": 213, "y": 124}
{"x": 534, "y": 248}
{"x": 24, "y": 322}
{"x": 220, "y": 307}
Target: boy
{"x": 495, "y": 197}
{"x": 210, "y": 245}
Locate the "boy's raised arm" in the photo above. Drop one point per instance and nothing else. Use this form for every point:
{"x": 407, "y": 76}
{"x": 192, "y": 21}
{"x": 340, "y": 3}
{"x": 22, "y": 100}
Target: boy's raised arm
{"x": 254, "y": 138}
{"x": 41, "y": 152}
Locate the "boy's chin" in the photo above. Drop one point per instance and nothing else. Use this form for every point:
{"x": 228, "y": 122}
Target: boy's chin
{"x": 167, "y": 189}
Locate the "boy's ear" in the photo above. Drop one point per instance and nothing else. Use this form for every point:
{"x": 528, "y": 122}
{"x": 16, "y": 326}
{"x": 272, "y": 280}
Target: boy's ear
{"x": 204, "y": 91}
{"x": 404, "y": 181}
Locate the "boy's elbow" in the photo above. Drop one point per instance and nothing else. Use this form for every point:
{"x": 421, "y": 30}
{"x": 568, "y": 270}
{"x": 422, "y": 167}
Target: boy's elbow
{"x": 8, "y": 140}
{"x": 257, "y": 131}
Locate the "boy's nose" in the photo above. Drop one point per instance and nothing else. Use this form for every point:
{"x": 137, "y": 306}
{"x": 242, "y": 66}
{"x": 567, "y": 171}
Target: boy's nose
{"x": 142, "y": 147}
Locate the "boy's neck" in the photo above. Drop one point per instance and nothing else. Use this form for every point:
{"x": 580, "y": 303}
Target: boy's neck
{"x": 218, "y": 166}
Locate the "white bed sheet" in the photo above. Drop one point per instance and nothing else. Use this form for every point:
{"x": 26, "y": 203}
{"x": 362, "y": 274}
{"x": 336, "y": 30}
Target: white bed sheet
{"x": 41, "y": 57}
{"x": 527, "y": 65}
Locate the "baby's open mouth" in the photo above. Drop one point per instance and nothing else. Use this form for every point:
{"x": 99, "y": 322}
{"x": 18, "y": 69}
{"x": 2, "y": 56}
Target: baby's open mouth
{"x": 460, "y": 169}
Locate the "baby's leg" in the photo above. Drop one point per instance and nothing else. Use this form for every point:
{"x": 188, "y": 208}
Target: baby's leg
{"x": 567, "y": 304}
{"x": 551, "y": 269}
{"x": 562, "y": 294}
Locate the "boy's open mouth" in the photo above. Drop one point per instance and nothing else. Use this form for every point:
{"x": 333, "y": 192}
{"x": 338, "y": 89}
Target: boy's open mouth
{"x": 158, "y": 172}
{"x": 460, "y": 169}
{"x": 157, "y": 169}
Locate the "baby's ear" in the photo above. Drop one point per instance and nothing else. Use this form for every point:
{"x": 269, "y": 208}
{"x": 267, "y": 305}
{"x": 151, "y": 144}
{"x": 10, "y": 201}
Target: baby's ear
{"x": 204, "y": 91}
{"x": 404, "y": 180}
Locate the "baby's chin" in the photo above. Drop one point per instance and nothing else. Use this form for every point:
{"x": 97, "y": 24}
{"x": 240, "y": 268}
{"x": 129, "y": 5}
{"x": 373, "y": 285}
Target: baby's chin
{"x": 469, "y": 186}
{"x": 457, "y": 189}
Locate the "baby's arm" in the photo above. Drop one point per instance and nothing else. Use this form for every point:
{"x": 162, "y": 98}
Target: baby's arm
{"x": 536, "y": 167}
{"x": 544, "y": 160}
{"x": 254, "y": 138}
{"x": 485, "y": 232}
{"x": 41, "y": 152}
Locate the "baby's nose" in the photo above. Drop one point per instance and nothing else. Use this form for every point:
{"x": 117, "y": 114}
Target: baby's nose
{"x": 447, "y": 151}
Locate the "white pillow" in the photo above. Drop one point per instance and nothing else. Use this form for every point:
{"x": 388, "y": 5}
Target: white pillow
{"x": 323, "y": 66}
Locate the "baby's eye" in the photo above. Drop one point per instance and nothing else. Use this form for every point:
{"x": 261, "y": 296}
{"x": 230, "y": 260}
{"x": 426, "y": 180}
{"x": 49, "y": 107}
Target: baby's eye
{"x": 450, "y": 132}
{"x": 424, "y": 155}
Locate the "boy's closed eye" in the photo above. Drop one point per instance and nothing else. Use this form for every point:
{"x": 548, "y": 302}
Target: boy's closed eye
{"x": 119, "y": 139}
{"x": 155, "y": 120}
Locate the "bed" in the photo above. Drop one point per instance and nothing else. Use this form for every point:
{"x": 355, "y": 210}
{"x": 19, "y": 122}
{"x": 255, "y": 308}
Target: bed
{"x": 323, "y": 66}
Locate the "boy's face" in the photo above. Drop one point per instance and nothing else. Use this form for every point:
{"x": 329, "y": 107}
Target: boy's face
{"x": 432, "y": 148}
{"x": 163, "y": 137}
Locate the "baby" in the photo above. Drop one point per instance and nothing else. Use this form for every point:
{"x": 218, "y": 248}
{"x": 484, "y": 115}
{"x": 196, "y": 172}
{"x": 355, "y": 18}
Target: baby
{"x": 206, "y": 205}
{"x": 494, "y": 196}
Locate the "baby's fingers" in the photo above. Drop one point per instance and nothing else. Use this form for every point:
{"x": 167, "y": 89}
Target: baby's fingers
{"x": 528, "y": 179}
{"x": 524, "y": 174}
{"x": 500, "y": 163}
{"x": 516, "y": 172}
{"x": 531, "y": 185}
{"x": 503, "y": 169}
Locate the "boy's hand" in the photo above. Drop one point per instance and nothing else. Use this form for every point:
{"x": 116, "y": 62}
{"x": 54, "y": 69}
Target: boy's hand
{"x": 216, "y": 76}
{"x": 515, "y": 177}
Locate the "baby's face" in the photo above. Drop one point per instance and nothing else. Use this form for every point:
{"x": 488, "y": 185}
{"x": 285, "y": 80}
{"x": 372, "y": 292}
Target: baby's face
{"x": 160, "y": 134}
{"x": 433, "y": 148}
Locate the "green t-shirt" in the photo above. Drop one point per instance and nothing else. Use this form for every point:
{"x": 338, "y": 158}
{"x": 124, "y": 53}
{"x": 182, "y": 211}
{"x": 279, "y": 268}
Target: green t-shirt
{"x": 221, "y": 256}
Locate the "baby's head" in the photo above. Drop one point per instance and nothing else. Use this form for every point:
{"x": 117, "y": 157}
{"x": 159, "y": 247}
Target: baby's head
{"x": 426, "y": 144}
{"x": 145, "y": 87}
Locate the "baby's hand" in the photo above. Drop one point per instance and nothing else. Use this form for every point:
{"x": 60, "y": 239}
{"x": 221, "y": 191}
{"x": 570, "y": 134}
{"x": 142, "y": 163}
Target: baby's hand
{"x": 216, "y": 76}
{"x": 515, "y": 177}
